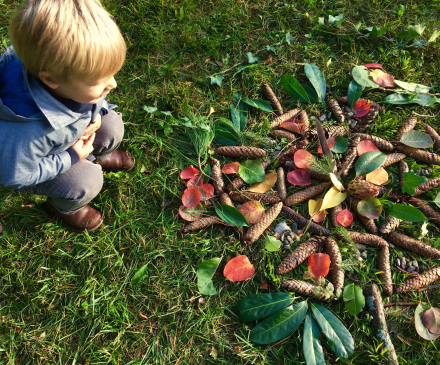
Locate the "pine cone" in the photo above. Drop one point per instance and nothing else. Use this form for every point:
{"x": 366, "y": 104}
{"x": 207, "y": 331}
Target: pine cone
{"x": 393, "y": 158}
{"x": 362, "y": 189}
{"x": 217, "y": 177}
{"x": 368, "y": 239}
{"x": 244, "y": 196}
{"x": 226, "y": 200}
{"x": 390, "y": 225}
{"x": 317, "y": 174}
{"x": 433, "y": 133}
{"x": 254, "y": 232}
{"x": 369, "y": 224}
{"x": 425, "y": 208}
{"x": 286, "y": 116}
{"x": 304, "y": 222}
{"x": 301, "y": 252}
{"x": 419, "y": 155}
{"x": 334, "y": 213}
{"x": 409, "y": 125}
{"x": 330, "y": 131}
{"x": 403, "y": 167}
{"x": 303, "y": 288}
{"x": 332, "y": 249}
{"x": 378, "y": 142}
{"x": 385, "y": 277}
{"x": 306, "y": 194}
{"x": 422, "y": 280}
{"x": 241, "y": 151}
{"x": 305, "y": 119}
{"x": 281, "y": 184}
{"x": 426, "y": 186}
{"x": 278, "y": 134}
{"x": 413, "y": 245}
{"x": 349, "y": 158}
{"x": 336, "y": 110}
{"x": 203, "y": 223}
{"x": 273, "y": 100}
{"x": 288, "y": 155}
{"x": 235, "y": 184}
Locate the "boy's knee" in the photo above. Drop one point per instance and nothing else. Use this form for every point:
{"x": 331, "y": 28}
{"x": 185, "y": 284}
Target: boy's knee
{"x": 91, "y": 183}
{"x": 114, "y": 125}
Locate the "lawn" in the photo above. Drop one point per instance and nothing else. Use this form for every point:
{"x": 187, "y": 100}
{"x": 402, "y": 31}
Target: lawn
{"x": 66, "y": 298}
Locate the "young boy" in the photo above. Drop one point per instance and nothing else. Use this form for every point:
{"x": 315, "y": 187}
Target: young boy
{"x": 57, "y": 132}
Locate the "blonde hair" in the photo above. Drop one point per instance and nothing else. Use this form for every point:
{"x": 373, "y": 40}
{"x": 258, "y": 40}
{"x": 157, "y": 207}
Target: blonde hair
{"x": 68, "y": 38}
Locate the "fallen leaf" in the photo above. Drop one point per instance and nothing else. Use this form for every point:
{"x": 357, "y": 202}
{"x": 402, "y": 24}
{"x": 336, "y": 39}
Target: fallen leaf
{"x": 219, "y": 63}
{"x": 361, "y": 108}
{"x": 191, "y": 214}
{"x": 370, "y": 208}
{"x": 264, "y": 285}
{"x": 373, "y": 65}
{"x": 299, "y": 177}
{"x": 188, "y": 173}
{"x": 378, "y": 176}
{"x": 336, "y": 182}
{"x": 431, "y": 320}
{"x": 264, "y": 186}
{"x": 332, "y": 198}
{"x": 239, "y": 269}
{"x": 330, "y": 143}
{"x": 268, "y": 60}
{"x": 366, "y": 146}
{"x": 252, "y": 210}
{"x": 194, "y": 181}
{"x": 382, "y": 78}
{"x": 190, "y": 198}
{"x": 303, "y": 159}
{"x": 293, "y": 125}
{"x": 315, "y": 211}
{"x": 420, "y": 327}
{"x": 344, "y": 218}
{"x": 231, "y": 168}
{"x": 319, "y": 264}
{"x": 214, "y": 352}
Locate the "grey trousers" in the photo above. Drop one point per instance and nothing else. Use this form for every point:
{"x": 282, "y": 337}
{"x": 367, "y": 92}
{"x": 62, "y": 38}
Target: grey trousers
{"x": 72, "y": 190}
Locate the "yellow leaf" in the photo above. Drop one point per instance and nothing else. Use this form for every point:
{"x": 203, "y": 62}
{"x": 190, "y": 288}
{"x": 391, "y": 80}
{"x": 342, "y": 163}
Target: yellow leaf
{"x": 315, "y": 211}
{"x": 332, "y": 198}
{"x": 378, "y": 176}
{"x": 338, "y": 185}
{"x": 264, "y": 186}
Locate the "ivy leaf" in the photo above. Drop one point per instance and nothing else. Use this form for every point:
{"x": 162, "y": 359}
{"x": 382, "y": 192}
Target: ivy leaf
{"x": 239, "y": 113}
{"x": 260, "y": 306}
{"x": 423, "y": 230}
{"x": 140, "y": 274}
{"x": 150, "y": 109}
{"x": 231, "y": 215}
{"x": 272, "y": 244}
{"x": 251, "y": 171}
{"x": 369, "y": 162}
{"x": 407, "y": 213}
{"x": 289, "y": 38}
{"x": 312, "y": 348}
{"x": 354, "y": 299}
{"x": 251, "y": 58}
{"x": 316, "y": 78}
{"x": 216, "y": 80}
{"x": 204, "y": 275}
{"x": 411, "y": 181}
{"x": 417, "y": 139}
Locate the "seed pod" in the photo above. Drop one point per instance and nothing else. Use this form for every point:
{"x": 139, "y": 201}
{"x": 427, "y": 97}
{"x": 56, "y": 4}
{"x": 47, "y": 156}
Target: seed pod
{"x": 304, "y": 222}
{"x": 390, "y": 225}
{"x": 281, "y": 184}
{"x": 409, "y": 125}
{"x": 362, "y": 189}
{"x": 330, "y": 131}
{"x": 367, "y": 119}
{"x": 241, "y": 151}
{"x": 375, "y": 307}
{"x": 413, "y": 245}
{"x": 286, "y": 116}
{"x": 303, "y": 288}
{"x": 226, "y": 200}
{"x": 254, "y": 232}
{"x": 273, "y": 100}
{"x": 419, "y": 155}
{"x": 368, "y": 239}
{"x": 217, "y": 177}
{"x": 403, "y": 167}
{"x": 369, "y": 224}
{"x": 299, "y": 254}
{"x": 433, "y": 133}
{"x": 385, "y": 277}
{"x": 349, "y": 158}
{"x": 288, "y": 155}
{"x": 333, "y": 215}
{"x": 244, "y": 196}
{"x": 336, "y": 110}
{"x": 317, "y": 174}
{"x": 203, "y": 223}
{"x": 425, "y": 208}
{"x": 422, "y": 280}
{"x": 278, "y": 134}
{"x": 332, "y": 249}
{"x": 426, "y": 186}
{"x": 393, "y": 158}
{"x": 305, "y": 194}
{"x": 303, "y": 116}
{"x": 380, "y": 143}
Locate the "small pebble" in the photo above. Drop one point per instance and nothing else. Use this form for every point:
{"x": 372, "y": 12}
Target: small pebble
{"x": 350, "y": 114}
{"x": 348, "y": 109}
{"x": 344, "y": 109}
{"x": 289, "y": 239}
{"x": 281, "y": 228}
{"x": 202, "y": 300}
{"x": 286, "y": 246}
{"x": 392, "y": 246}
{"x": 329, "y": 115}
{"x": 237, "y": 205}
{"x": 361, "y": 259}
{"x": 411, "y": 269}
{"x": 415, "y": 264}
{"x": 270, "y": 139}
{"x": 322, "y": 118}
{"x": 294, "y": 228}
{"x": 403, "y": 260}
{"x": 360, "y": 246}
{"x": 364, "y": 255}
{"x": 353, "y": 124}
{"x": 426, "y": 173}
{"x": 398, "y": 262}
{"x": 275, "y": 154}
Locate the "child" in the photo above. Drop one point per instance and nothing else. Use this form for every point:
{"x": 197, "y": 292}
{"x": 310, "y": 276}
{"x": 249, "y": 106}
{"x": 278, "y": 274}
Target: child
{"x": 57, "y": 132}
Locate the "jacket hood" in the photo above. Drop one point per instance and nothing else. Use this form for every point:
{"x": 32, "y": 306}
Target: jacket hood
{"x": 6, "y": 58}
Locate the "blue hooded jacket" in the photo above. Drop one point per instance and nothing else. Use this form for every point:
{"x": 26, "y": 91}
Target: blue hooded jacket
{"x": 35, "y": 129}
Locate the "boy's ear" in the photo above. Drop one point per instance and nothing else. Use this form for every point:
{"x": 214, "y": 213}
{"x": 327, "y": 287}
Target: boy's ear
{"x": 48, "y": 79}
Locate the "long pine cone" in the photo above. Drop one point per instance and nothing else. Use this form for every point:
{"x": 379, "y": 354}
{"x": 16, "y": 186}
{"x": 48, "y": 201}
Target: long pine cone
{"x": 303, "y": 116}
{"x": 288, "y": 155}
{"x": 425, "y": 208}
{"x": 433, "y": 133}
{"x": 235, "y": 184}
{"x": 403, "y": 167}
{"x": 378, "y": 142}
{"x": 336, "y": 110}
{"x": 334, "y": 213}
{"x": 362, "y": 189}
{"x": 386, "y": 277}
{"x": 226, "y": 200}
{"x": 409, "y": 125}
{"x": 330, "y": 131}
{"x": 390, "y": 224}
{"x": 303, "y": 288}
{"x": 306, "y": 194}
{"x": 364, "y": 122}
{"x": 393, "y": 158}
{"x": 425, "y": 279}
{"x": 304, "y": 222}
{"x": 349, "y": 158}
{"x": 217, "y": 177}
{"x": 245, "y": 196}
{"x": 419, "y": 155}
{"x": 278, "y": 134}
{"x": 426, "y": 186}
{"x": 254, "y": 232}
{"x": 413, "y": 245}
{"x": 281, "y": 184}
{"x": 286, "y": 116}
{"x": 369, "y": 224}
{"x": 338, "y": 274}
{"x": 203, "y": 223}
{"x": 273, "y": 100}
{"x": 368, "y": 239}
{"x": 241, "y": 151}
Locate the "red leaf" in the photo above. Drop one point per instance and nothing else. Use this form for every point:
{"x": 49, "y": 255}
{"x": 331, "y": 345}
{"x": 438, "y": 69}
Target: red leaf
{"x": 431, "y": 320}
{"x": 190, "y": 198}
{"x": 253, "y": 211}
{"x": 303, "y": 159}
{"x": 209, "y": 190}
{"x": 319, "y": 264}
{"x": 191, "y": 214}
{"x": 188, "y": 173}
{"x": 361, "y": 108}
{"x": 344, "y": 218}
{"x": 231, "y": 168}
{"x": 293, "y": 125}
{"x": 382, "y": 78}
{"x": 315, "y": 211}
{"x": 330, "y": 143}
{"x": 239, "y": 269}
{"x": 299, "y": 177}
{"x": 366, "y": 146}
{"x": 206, "y": 191}
{"x": 194, "y": 181}
{"x": 373, "y": 65}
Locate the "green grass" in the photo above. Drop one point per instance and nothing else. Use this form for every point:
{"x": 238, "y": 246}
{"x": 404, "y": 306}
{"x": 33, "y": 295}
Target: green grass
{"x": 66, "y": 298}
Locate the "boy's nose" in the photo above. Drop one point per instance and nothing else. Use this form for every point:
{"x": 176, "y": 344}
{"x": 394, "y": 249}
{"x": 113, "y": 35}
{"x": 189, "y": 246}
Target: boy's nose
{"x": 112, "y": 84}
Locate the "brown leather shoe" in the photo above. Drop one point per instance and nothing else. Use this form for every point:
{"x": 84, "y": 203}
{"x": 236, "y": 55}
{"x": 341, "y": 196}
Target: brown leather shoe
{"x": 117, "y": 161}
{"x": 85, "y": 218}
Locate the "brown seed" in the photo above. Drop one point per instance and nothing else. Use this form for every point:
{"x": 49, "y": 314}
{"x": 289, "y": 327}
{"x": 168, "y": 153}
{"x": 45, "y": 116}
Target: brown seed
{"x": 336, "y": 110}
{"x": 287, "y": 157}
{"x": 226, "y": 200}
{"x": 244, "y": 196}
{"x": 419, "y": 155}
{"x": 413, "y": 245}
{"x": 425, "y": 208}
{"x": 393, "y": 158}
{"x": 281, "y": 184}
{"x": 337, "y": 274}
{"x": 303, "y": 288}
{"x": 241, "y": 151}
{"x": 299, "y": 254}
{"x": 217, "y": 177}
{"x": 390, "y": 224}
{"x": 403, "y": 167}
{"x": 278, "y": 134}
{"x": 368, "y": 239}
{"x": 409, "y": 125}
{"x": 362, "y": 189}
{"x": 273, "y": 100}
{"x": 369, "y": 224}
{"x": 385, "y": 277}
{"x": 426, "y": 186}
{"x": 422, "y": 280}
{"x": 433, "y": 133}
{"x": 334, "y": 213}
{"x": 203, "y": 223}
{"x": 286, "y": 116}
{"x": 378, "y": 142}
{"x": 304, "y": 222}
{"x": 306, "y": 194}
{"x": 255, "y": 231}
{"x": 303, "y": 116}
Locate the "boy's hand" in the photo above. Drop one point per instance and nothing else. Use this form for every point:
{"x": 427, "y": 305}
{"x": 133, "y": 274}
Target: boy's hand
{"x": 84, "y": 147}
{"x": 92, "y": 128}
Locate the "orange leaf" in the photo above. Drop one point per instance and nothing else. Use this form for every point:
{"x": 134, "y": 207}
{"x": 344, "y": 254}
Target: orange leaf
{"x": 239, "y": 269}
{"x": 303, "y": 159}
{"x": 382, "y": 78}
{"x": 253, "y": 211}
{"x": 344, "y": 218}
{"x": 191, "y": 214}
{"x": 366, "y": 146}
{"x": 293, "y": 125}
{"x": 361, "y": 108}
{"x": 319, "y": 264}
{"x": 330, "y": 143}
{"x": 378, "y": 176}
{"x": 231, "y": 168}
{"x": 190, "y": 198}
{"x": 188, "y": 173}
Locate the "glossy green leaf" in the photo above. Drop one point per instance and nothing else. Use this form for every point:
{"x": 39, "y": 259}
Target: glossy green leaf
{"x": 312, "y": 94}
{"x": 312, "y": 349}
{"x": 316, "y": 78}
{"x": 231, "y": 215}
{"x": 293, "y": 88}
{"x": 437, "y": 200}
{"x": 368, "y": 162}
{"x": 411, "y": 181}
{"x": 361, "y": 76}
{"x": 341, "y": 145}
{"x": 420, "y": 327}
{"x": 410, "y": 86}
{"x": 272, "y": 244}
{"x": 354, "y": 92}
{"x": 354, "y": 299}
{"x": 239, "y": 113}
{"x": 407, "y": 213}
{"x": 259, "y": 104}
{"x": 401, "y": 99}
{"x": 251, "y": 171}
{"x": 262, "y": 305}
{"x": 140, "y": 274}
{"x": 338, "y": 337}
{"x": 226, "y": 134}
{"x": 280, "y": 324}
{"x": 204, "y": 275}
{"x": 417, "y": 139}
{"x": 370, "y": 208}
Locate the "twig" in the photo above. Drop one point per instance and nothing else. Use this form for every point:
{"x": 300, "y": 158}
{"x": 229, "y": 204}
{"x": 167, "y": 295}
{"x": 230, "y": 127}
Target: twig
{"x": 430, "y": 287}
{"x": 402, "y": 304}
{"x": 426, "y": 116}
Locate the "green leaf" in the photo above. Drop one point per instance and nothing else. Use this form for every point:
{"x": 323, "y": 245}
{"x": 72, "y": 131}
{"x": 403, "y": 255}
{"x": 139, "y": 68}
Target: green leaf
{"x": 262, "y": 305}
{"x": 437, "y": 200}
{"x": 312, "y": 94}
{"x": 411, "y": 181}
{"x": 369, "y": 161}
{"x": 259, "y": 104}
{"x": 354, "y": 299}
{"x": 434, "y": 36}
{"x": 407, "y": 213}
{"x": 216, "y": 80}
{"x": 410, "y": 86}
{"x": 251, "y": 171}
{"x": 204, "y": 275}
{"x": 335, "y": 20}
{"x": 289, "y": 38}
{"x": 421, "y": 99}
{"x": 312, "y": 349}
{"x": 316, "y": 78}
{"x": 338, "y": 337}
{"x": 251, "y": 58}
{"x": 398, "y": 99}
{"x": 271, "y": 48}
{"x": 361, "y": 76}
{"x": 139, "y": 275}
{"x": 341, "y": 145}
{"x": 150, "y": 109}
{"x": 417, "y": 139}
{"x": 293, "y": 88}
{"x": 415, "y": 30}
{"x": 239, "y": 113}
{"x": 279, "y": 325}
{"x": 377, "y": 31}
{"x": 231, "y": 215}
{"x": 354, "y": 92}
{"x": 370, "y": 208}
{"x": 272, "y": 244}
